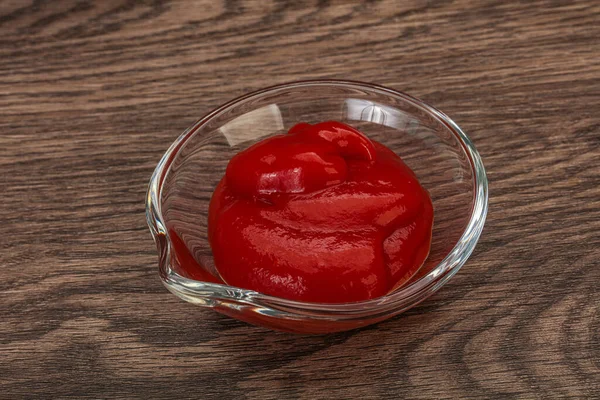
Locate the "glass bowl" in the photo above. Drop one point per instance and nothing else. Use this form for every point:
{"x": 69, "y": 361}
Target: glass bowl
{"x": 443, "y": 157}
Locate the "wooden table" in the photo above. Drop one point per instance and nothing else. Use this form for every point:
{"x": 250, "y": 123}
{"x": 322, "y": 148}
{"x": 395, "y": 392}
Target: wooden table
{"x": 93, "y": 93}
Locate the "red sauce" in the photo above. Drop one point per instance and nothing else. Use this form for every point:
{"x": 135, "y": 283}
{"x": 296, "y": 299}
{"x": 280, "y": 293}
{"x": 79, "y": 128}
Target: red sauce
{"x": 322, "y": 214}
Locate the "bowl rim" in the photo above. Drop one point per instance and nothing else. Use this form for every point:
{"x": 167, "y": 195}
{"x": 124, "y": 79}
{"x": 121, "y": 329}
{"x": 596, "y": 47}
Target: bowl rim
{"x": 213, "y": 294}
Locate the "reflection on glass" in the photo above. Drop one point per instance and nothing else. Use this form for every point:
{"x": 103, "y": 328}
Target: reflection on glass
{"x": 365, "y": 110}
{"x": 253, "y": 125}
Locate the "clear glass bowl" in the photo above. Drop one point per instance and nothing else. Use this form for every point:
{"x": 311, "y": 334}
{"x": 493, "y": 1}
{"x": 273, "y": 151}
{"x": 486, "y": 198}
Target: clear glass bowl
{"x": 444, "y": 159}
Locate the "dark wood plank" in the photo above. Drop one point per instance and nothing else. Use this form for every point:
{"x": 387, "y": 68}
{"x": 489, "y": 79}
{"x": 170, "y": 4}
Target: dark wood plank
{"x": 92, "y": 94}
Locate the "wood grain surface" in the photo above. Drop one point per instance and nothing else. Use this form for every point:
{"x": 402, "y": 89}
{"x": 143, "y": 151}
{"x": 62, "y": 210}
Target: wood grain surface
{"x": 93, "y": 93}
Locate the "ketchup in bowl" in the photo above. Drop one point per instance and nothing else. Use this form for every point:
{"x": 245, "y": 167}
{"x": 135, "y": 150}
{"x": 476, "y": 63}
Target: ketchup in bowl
{"x": 321, "y": 214}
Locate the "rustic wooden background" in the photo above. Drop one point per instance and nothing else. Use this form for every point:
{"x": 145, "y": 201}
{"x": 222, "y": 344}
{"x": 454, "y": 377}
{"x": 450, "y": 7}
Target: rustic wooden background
{"x": 93, "y": 93}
